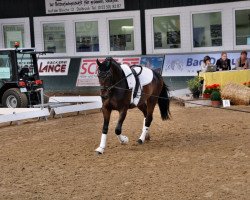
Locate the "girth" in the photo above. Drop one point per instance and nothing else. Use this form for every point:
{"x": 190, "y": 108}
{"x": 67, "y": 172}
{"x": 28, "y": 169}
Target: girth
{"x": 137, "y": 82}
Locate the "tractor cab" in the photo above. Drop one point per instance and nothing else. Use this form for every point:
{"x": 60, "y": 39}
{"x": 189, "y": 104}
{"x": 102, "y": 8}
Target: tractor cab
{"x": 20, "y": 84}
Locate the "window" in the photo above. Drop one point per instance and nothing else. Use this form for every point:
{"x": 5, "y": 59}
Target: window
{"x": 12, "y": 34}
{"x": 121, "y": 34}
{"x": 87, "y": 39}
{"x": 5, "y": 66}
{"x": 207, "y": 29}
{"x": 25, "y": 61}
{"x": 15, "y": 30}
{"x": 89, "y": 35}
{"x": 242, "y": 22}
{"x": 54, "y": 37}
{"x": 167, "y": 32}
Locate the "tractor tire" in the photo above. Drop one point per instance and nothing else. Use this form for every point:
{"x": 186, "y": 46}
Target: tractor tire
{"x": 13, "y": 98}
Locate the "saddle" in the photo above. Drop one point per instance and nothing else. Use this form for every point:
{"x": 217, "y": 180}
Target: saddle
{"x": 137, "y": 77}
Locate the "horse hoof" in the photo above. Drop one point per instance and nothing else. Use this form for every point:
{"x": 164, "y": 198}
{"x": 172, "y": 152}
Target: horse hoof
{"x": 123, "y": 139}
{"x": 99, "y": 151}
{"x": 140, "y": 141}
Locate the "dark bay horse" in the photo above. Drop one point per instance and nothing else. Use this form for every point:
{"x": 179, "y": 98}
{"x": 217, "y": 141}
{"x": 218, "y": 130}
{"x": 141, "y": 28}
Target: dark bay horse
{"x": 116, "y": 95}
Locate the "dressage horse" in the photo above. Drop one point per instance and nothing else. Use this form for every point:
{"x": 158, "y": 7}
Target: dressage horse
{"x": 116, "y": 95}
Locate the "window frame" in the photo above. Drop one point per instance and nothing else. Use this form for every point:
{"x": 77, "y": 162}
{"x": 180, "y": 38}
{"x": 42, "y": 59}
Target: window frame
{"x": 238, "y": 47}
{"x": 149, "y": 21}
{"x": 103, "y": 33}
{"x": 135, "y": 16}
{"x": 212, "y": 48}
{"x": 101, "y": 25}
{"x": 87, "y": 53}
{"x": 228, "y": 27}
{"x": 16, "y": 21}
{"x": 65, "y": 36}
{"x": 153, "y": 31}
{"x": 39, "y": 37}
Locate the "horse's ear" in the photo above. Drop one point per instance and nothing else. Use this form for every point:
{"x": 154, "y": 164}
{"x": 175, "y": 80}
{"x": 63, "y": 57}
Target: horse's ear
{"x": 108, "y": 60}
{"x": 108, "y": 63}
{"x": 98, "y": 62}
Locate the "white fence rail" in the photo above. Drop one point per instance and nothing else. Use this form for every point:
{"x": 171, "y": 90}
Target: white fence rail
{"x": 75, "y": 99}
{"x": 17, "y": 114}
{"x": 57, "y": 106}
{"x": 77, "y": 108}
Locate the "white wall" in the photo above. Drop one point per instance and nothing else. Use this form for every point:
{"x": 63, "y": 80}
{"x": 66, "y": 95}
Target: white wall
{"x": 228, "y": 27}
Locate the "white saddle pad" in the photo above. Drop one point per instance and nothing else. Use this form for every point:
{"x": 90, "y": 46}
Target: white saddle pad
{"x": 145, "y": 78}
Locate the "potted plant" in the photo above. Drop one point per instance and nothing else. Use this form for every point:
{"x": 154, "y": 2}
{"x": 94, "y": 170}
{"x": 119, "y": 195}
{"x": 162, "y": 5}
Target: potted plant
{"x": 209, "y": 89}
{"x": 216, "y": 98}
{"x": 207, "y": 93}
{"x": 215, "y": 87}
{"x": 247, "y": 84}
{"x": 194, "y": 86}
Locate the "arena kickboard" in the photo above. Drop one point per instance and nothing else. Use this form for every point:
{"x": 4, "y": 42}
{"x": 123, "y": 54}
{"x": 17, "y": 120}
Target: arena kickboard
{"x": 75, "y": 99}
{"x": 15, "y": 116}
{"x": 77, "y": 108}
{"x": 5, "y": 111}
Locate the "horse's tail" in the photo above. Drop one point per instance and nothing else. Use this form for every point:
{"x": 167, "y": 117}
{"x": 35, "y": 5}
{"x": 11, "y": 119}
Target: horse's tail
{"x": 163, "y": 102}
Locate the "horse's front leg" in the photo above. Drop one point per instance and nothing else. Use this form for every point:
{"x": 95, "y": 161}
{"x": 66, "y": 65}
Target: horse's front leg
{"x": 118, "y": 130}
{"x": 106, "y": 115}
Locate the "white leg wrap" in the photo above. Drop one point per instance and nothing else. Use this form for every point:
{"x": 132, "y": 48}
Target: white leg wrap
{"x": 145, "y": 131}
{"x": 123, "y": 139}
{"x": 102, "y": 146}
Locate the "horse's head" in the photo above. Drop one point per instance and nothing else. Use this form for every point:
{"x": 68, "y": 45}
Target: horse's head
{"x": 104, "y": 71}
{"x": 105, "y": 76}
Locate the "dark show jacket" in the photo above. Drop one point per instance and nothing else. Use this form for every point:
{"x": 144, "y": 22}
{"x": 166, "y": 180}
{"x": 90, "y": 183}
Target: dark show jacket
{"x": 239, "y": 64}
{"x": 224, "y": 65}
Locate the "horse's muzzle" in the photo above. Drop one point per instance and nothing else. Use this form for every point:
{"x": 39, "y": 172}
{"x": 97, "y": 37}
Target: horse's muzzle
{"x": 104, "y": 93}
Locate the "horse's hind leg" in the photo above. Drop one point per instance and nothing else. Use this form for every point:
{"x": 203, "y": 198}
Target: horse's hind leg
{"x": 118, "y": 130}
{"x": 151, "y": 102}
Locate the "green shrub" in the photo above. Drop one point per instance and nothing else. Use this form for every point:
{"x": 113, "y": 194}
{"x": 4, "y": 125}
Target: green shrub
{"x": 215, "y": 96}
{"x": 194, "y": 84}
{"x": 207, "y": 91}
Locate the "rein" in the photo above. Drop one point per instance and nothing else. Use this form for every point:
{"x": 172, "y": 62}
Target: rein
{"x": 109, "y": 74}
{"x": 114, "y": 86}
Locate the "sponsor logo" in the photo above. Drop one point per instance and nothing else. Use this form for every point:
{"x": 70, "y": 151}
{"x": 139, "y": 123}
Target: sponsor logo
{"x": 55, "y": 67}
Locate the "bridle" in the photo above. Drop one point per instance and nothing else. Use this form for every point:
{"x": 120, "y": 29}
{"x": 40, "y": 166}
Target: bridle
{"x": 104, "y": 75}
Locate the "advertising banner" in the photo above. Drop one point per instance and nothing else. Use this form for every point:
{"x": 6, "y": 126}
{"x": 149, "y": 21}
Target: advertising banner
{"x": 88, "y": 69}
{"x": 189, "y": 64}
{"x": 153, "y": 62}
{"x": 67, "y": 6}
{"x": 53, "y": 67}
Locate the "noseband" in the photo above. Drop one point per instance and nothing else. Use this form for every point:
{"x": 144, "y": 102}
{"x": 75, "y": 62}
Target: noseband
{"x": 104, "y": 76}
